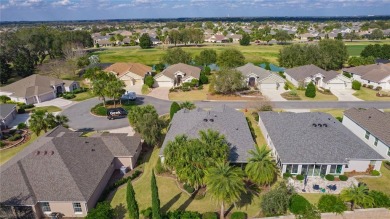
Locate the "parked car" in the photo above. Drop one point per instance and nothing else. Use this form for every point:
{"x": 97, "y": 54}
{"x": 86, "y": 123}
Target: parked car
{"x": 129, "y": 95}
{"x": 116, "y": 113}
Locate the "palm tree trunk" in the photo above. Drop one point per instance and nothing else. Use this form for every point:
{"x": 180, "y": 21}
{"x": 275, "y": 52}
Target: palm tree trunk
{"x": 104, "y": 101}
{"x": 352, "y": 205}
{"x": 114, "y": 103}
{"x": 222, "y": 214}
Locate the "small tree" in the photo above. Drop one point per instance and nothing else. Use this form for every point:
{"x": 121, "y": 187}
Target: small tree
{"x": 310, "y": 90}
{"x": 228, "y": 81}
{"x": 356, "y": 85}
{"x": 4, "y": 99}
{"x": 267, "y": 66}
{"x": 203, "y": 78}
{"x": 357, "y": 195}
{"x": 145, "y": 42}
{"x": 206, "y": 57}
{"x": 176, "y": 55}
{"x": 155, "y": 199}
{"x": 174, "y": 108}
{"x": 103, "y": 210}
{"x": 231, "y": 58}
{"x": 331, "y": 203}
{"x": 187, "y": 105}
{"x": 276, "y": 201}
{"x": 132, "y": 205}
{"x": 245, "y": 40}
{"x": 149, "y": 80}
{"x": 207, "y": 70}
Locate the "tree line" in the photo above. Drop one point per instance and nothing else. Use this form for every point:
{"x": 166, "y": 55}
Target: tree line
{"x": 23, "y": 50}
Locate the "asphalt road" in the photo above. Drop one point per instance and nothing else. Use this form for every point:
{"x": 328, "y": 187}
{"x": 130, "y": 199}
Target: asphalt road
{"x": 81, "y": 118}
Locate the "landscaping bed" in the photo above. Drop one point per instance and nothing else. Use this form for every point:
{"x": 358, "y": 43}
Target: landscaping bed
{"x": 288, "y": 96}
{"x": 13, "y": 138}
{"x": 100, "y": 110}
{"x": 231, "y": 97}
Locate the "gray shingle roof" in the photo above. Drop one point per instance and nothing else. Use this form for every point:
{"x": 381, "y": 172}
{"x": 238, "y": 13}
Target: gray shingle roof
{"x": 187, "y": 69}
{"x": 61, "y": 168}
{"x": 6, "y": 109}
{"x": 374, "y": 72}
{"x": 297, "y": 141}
{"x": 373, "y": 120}
{"x": 229, "y": 122}
{"x": 250, "y": 68}
{"x": 302, "y": 72}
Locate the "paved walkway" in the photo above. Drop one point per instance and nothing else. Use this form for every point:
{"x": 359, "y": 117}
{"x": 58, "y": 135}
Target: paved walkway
{"x": 160, "y": 93}
{"x": 273, "y": 94}
{"x": 322, "y": 183}
{"x": 128, "y": 130}
{"x": 345, "y": 95}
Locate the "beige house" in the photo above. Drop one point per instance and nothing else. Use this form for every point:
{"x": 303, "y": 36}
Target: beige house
{"x": 176, "y": 74}
{"x": 131, "y": 73}
{"x": 261, "y": 78}
{"x": 377, "y": 75}
{"x": 64, "y": 173}
{"x": 37, "y": 88}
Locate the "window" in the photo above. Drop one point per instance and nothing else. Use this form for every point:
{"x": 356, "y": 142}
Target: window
{"x": 372, "y": 162}
{"x": 367, "y": 136}
{"x": 332, "y": 169}
{"x": 336, "y": 169}
{"x": 376, "y": 142}
{"x": 45, "y": 206}
{"x": 288, "y": 168}
{"x": 294, "y": 169}
{"x": 77, "y": 207}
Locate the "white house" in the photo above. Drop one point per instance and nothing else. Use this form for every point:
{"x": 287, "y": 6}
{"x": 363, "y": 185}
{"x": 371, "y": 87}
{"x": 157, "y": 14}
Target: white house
{"x": 176, "y": 75}
{"x": 321, "y": 78}
{"x": 256, "y": 76}
{"x": 372, "y": 126}
{"x": 130, "y": 73}
{"x": 315, "y": 144}
{"x": 377, "y": 75}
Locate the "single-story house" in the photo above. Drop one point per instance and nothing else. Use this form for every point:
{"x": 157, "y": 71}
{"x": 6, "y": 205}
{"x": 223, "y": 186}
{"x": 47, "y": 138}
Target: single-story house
{"x": 7, "y": 115}
{"x": 130, "y": 73}
{"x": 37, "y": 88}
{"x": 321, "y": 78}
{"x": 175, "y": 75}
{"x": 372, "y": 126}
{"x": 377, "y": 75}
{"x": 227, "y": 121}
{"x": 315, "y": 144}
{"x": 258, "y": 77}
{"x": 63, "y": 172}
{"x": 217, "y": 39}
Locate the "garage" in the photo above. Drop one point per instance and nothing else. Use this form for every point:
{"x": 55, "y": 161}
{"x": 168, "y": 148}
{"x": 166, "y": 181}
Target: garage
{"x": 47, "y": 96}
{"x": 162, "y": 81}
{"x": 336, "y": 86}
{"x": 273, "y": 81}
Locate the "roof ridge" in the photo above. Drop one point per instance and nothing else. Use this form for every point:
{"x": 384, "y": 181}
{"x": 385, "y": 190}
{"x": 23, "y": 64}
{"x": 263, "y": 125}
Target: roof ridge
{"x": 27, "y": 181}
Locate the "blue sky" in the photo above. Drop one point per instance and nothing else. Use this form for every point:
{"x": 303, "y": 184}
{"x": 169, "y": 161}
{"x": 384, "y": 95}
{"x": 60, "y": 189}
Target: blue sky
{"x": 36, "y": 10}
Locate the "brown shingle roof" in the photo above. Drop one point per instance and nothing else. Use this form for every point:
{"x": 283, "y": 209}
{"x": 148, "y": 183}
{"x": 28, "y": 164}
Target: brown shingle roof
{"x": 373, "y": 120}
{"x": 374, "y": 72}
{"x": 120, "y": 68}
{"x": 187, "y": 69}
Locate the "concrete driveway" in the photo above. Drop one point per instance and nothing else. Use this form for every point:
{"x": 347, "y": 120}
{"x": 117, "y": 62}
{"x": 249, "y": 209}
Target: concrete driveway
{"x": 135, "y": 88}
{"x": 345, "y": 95}
{"x": 58, "y": 102}
{"x": 160, "y": 93}
{"x": 273, "y": 94}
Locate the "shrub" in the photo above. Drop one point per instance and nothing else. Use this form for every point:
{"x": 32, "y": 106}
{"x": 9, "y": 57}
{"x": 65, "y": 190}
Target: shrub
{"x": 174, "y": 108}
{"x": 286, "y": 175}
{"x": 348, "y": 75}
{"x": 300, "y": 177}
{"x": 256, "y": 116}
{"x": 29, "y": 106}
{"x": 329, "y": 177}
{"x": 145, "y": 89}
{"x": 265, "y": 107}
{"x": 103, "y": 210}
{"x": 203, "y": 79}
{"x": 99, "y": 110}
{"x": 281, "y": 74}
{"x": 293, "y": 93}
{"x": 364, "y": 85}
{"x": 21, "y": 111}
{"x": 238, "y": 215}
{"x": 331, "y": 203}
{"x": 207, "y": 70}
{"x": 310, "y": 90}
{"x": 2, "y": 144}
{"x": 149, "y": 81}
{"x": 79, "y": 90}
{"x": 298, "y": 204}
{"x": 188, "y": 188}
{"x": 21, "y": 125}
{"x": 339, "y": 118}
{"x": 343, "y": 177}
{"x": 194, "y": 83}
{"x": 68, "y": 95}
{"x": 356, "y": 85}
{"x": 159, "y": 167}
{"x": 210, "y": 215}
{"x": 12, "y": 131}
{"x": 118, "y": 183}
{"x": 375, "y": 173}
{"x": 285, "y": 86}
{"x": 370, "y": 86}
{"x": 147, "y": 213}
{"x": 15, "y": 137}
{"x": 379, "y": 88}
{"x": 380, "y": 199}
{"x": 183, "y": 214}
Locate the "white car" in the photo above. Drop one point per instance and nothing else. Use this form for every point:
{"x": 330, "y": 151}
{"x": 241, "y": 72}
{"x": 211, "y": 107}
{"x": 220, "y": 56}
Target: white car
{"x": 129, "y": 95}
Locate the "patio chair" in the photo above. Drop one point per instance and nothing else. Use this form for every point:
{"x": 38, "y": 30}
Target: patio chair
{"x": 316, "y": 187}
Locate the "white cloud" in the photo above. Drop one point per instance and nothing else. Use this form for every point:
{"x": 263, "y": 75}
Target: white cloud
{"x": 62, "y": 3}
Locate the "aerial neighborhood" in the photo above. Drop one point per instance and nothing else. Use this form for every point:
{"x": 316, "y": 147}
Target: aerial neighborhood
{"x": 195, "y": 119}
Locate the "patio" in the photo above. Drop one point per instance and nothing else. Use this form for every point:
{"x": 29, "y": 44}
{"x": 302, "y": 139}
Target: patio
{"x": 320, "y": 185}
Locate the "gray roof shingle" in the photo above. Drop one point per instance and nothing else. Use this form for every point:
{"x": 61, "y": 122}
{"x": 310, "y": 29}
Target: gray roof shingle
{"x": 298, "y": 141}
{"x": 373, "y": 120}
{"x": 229, "y": 122}
{"x": 6, "y": 109}
{"x": 374, "y": 72}
{"x": 250, "y": 68}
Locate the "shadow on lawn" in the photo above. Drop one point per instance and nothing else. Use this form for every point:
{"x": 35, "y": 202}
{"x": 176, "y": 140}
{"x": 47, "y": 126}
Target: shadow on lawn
{"x": 165, "y": 208}
{"x": 120, "y": 211}
{"x": 184, "y": 206}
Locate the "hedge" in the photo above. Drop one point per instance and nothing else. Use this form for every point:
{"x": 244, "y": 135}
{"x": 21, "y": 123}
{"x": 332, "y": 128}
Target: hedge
{"x": 329, "y": 177}
{"x": 298, "y": 204}
{"x": 356, "y": 85}
{"x": 381, "y": 200}
{"x": 286, "y": 175}
{"x": 210, "y": 215}
{"x": 238, "y": 215}
{"x": 300, "y": 177}
{"x": 343, "y": 177}
{"x": 331, "y": 203}
{"x": 188, "y": 188}
{"x": 375, "y": 173}
{"x": 15, "y": 137}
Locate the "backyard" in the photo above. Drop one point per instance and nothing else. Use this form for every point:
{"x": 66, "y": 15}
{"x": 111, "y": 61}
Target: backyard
{"x": 378, "y": 183}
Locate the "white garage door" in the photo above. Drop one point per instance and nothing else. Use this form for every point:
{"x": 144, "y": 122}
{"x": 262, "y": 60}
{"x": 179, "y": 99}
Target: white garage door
{"x": 163, "y": 84}
{"x": 267, "y": 86}
{"x": 336, "y": 86}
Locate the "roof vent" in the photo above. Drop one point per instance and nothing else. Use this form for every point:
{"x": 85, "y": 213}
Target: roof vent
{"x": 236, "y": 128}
{"x": 205, "y": 120}
{"x": 92, "y": 149}
{"x": 314, "y": 125}
{"x": 215, "y": 115}
{"x": 329, "y": 119}
{"x": 52, "y": 152}
{"x": 319, "y": 125}
{"x": 86, "y": 142}
{"x": 369, "y": 117}
{"x": 45, "y": 153}
{"x": 211, "y": 120}
{"x": 325, "y": 125}
{"x": 37, "y": 153}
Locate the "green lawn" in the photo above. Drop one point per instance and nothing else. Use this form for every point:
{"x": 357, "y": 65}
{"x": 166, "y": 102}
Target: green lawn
{"x": 379, "y": 183}
{"x": 313, "y": 198}
{"x": 83, "y": 96}
{"x": 369, "y": 95}
{"x": 319, "y": 96}
{"x": 49, "y": 109}
{"x": 193, "y": 95}
{"x": 355, "y": 48}
{"x": 171, "y": 196}
{"x": 260, "y": 140}
{"x": 7, "y": 154}
{"x": 334, "y": 112}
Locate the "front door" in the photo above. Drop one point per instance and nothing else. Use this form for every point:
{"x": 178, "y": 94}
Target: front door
{"x": 252, "y": 82}
{"x": 178, "y": 80}
{"x": 59, "y": 90}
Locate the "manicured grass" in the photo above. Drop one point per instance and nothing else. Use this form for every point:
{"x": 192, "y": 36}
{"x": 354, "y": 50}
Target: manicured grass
{"x": 49, "y": 109}
{"x": 190, "y": 95}
{"x": 334, "y": 112}
{"x": 369, "y": 95}
{"x": 84, "y": 96}
{"x": 387, "y": 110}
{"x": 356, "y": 47}
{"x": 260, "y": 140}
{"x": 7, "y": 154}
{"x": 378, "y": 183}
{"x": 313, "y": 198}
{"x": 171, "y": 196}
{"x": 319, "y": 96}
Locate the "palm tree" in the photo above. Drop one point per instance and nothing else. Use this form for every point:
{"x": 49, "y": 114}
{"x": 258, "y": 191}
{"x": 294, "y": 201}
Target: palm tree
{"x": 213, "y": 139}
{"x": 98, "y": 88}
{"x": 38, "y": 122}
{"x": 357, "y": 195}
{"x": 187, "y": 105}
{"x": 225, "y": 184}
{"x": 261, "y": 169}
{"x": 62, "y": 120}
